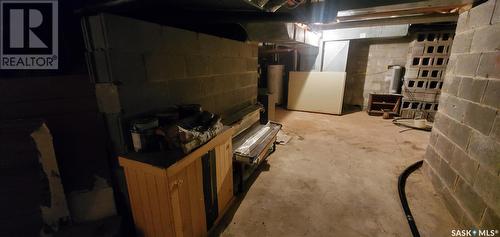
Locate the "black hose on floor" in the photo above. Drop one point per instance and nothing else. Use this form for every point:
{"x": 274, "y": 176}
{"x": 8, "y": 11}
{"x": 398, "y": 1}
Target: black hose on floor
{"x": 402, "y": 195}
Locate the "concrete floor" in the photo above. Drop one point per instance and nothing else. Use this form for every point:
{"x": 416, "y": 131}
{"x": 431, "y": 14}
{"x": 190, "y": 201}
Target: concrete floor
{"x": 338, "y": 177}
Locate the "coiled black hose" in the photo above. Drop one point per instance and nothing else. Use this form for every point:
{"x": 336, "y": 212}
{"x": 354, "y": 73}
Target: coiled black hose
{"x": 402, "y": 195}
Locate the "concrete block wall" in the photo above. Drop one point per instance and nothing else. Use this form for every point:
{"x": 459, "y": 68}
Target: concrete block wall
{"x": 367, "y": 65}
{"x": 141, "y": 67}
{"x": 463, "y": 156}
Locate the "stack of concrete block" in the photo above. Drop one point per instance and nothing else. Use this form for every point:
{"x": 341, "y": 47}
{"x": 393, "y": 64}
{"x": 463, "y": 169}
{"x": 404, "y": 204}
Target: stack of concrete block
{"x": 427, "y": 59}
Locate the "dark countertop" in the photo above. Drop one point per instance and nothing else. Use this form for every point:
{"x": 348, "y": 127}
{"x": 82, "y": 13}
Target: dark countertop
{"x": 161, "y": 159}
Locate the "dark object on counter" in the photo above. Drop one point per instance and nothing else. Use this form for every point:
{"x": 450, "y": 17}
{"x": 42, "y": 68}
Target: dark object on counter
{"x": 143, "y": 135}
{"x": 168, "y": 116}
{"x": 379, "y": 103}
{"x": 145, "y": 140}
{"x": 200, "y": 121}
{"x": 189, "y": 110}
{"x": 145, "y": 123}
{"x": 191, "y": 132}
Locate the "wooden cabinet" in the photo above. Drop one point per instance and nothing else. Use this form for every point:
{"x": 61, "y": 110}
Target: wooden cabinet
{"x": 150, "y": 199}
{"x": 186, "y": 195}
{"x": 169, "y": 201}
{"x": 224, "y": 171}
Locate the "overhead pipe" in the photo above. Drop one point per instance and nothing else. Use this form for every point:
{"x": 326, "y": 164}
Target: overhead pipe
{"x": 423, "y": 19}
{"x": 271, "y": 51}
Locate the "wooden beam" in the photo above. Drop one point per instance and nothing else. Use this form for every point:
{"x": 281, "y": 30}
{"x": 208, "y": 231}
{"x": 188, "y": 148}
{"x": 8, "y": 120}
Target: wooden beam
{"x": 426, "y": 7}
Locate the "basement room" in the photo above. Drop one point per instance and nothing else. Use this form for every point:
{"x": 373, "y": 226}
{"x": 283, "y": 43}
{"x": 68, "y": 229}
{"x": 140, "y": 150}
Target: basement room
{"x": 242, "y": 118}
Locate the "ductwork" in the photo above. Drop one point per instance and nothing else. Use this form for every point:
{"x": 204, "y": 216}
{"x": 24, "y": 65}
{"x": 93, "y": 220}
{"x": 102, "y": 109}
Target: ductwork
{"x": 366, "y": 32}
{"x": 281, "y": 33}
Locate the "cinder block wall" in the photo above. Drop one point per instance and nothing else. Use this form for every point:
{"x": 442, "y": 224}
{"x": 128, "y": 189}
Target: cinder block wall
{"x": 463, "y": 157}
{"x": 367, "y": 66}
{"x": 141, "y": 67}
{"x": 427, "y": 60}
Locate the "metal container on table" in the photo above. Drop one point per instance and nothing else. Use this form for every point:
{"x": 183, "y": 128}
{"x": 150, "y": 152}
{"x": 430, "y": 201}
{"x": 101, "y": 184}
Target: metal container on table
{"x": 394, "y": 75}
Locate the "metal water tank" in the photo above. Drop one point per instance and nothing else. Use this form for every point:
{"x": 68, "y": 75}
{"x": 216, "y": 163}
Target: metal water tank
{"x": 275, "y": 82}
{"x": 394, "y": 76}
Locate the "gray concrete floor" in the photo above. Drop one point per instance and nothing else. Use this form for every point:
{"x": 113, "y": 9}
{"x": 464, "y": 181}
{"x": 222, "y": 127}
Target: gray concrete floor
{"x": 338, "y": 177}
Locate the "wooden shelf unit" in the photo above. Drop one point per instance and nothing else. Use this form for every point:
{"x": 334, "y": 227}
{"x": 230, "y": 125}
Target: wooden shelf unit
{"x": 377, "y": 103}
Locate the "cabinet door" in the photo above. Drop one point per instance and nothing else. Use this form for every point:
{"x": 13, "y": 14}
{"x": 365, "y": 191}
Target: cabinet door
{"x": 186, "y": 188}
{"x": 149, "y": 198}
{"x": 224, "y": 171}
